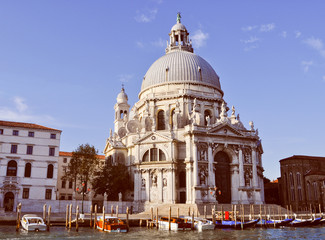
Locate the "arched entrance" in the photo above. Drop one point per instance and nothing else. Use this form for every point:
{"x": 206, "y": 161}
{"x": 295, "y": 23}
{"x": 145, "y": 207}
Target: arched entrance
{"x": 8, "y": 202}
{"x": 222, "y": 177}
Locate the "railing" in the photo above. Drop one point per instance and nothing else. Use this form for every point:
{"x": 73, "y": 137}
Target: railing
{"x": 11, "y": 179}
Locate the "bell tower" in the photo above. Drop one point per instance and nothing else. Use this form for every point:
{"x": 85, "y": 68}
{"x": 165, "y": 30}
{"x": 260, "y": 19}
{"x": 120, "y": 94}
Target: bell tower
{"x": 121, "y": 110}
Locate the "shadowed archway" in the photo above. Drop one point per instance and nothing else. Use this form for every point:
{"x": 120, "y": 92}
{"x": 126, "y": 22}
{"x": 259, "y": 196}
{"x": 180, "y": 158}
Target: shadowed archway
{"x": 222, "y": 177}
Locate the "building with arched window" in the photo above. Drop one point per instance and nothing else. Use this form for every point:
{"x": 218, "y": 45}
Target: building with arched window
{"x": 178, "y": 139}
{"x": 302, "y": 182}
{"x": 28, "y": 164}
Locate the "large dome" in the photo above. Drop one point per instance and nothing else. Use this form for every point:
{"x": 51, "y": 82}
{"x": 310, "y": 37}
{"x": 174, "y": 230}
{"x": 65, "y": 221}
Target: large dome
{"x": 180, "y": 67}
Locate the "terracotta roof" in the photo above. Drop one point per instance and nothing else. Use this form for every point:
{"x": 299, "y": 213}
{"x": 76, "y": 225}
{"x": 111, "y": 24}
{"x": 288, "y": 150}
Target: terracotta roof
{"x": 303, "y": 157}
{"x": 275, "y": 181}
{"x": 25, "y": 125}
{"x": 69, "y": 154}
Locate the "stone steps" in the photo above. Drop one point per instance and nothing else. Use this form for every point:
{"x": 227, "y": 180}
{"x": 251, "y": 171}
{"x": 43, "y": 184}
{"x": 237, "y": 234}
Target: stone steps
{"x": 163, "y": 209}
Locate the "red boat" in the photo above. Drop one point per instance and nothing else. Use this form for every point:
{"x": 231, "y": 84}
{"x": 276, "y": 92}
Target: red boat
{"x": 111, "y": 224}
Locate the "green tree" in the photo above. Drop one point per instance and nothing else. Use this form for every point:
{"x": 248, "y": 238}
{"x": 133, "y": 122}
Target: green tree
{"x": 82, "y": 165}
{"x": 112, "y": 179}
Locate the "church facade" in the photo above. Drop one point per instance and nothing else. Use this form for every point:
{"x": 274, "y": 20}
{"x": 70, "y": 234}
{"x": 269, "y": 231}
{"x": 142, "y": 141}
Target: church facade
{"x": 179, "y": 141}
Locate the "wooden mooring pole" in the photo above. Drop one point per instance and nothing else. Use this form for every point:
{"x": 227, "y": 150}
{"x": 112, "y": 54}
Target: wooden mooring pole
{"x": 91, "y": 216}
{"x": 169, "y": 218}
{"x": 70, "y": 215}
{"x": 157, "y": 218}
{"x": 18, "y": 210}
{"x": 95, "y": 217}
{"x": 103, "y": 225}
{"x": 49, "y": 218}
{"x": 117, "y": 211}
{"x": 127, "y": 217}
{"x": 77, "y": 216}
{"x": 44, "y": 212}
{"x": 67, "y": 216}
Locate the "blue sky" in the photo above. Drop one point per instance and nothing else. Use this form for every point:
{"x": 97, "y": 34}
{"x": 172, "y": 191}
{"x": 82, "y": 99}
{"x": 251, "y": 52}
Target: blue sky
{"x": 62, "y": 64}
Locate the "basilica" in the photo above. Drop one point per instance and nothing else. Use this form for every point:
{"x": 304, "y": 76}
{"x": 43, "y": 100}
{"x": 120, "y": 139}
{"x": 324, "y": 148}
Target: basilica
{"x": 181, "y": 141}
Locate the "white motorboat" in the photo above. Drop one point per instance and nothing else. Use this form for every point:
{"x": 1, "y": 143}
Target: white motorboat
{"x": 201, "y": 224}
{"x": 31, "y": 222}
{"x": 175, "y": 224}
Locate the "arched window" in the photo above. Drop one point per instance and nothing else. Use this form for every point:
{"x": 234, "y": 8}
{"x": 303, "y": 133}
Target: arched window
{"x": 299, "y": 186}
{"x": 154, "y": 155}
{"x": 206, "y": 114}
{"x": 292, "y": 189}
{"x": 161, "y": 120}
{"x": 12, "y": 168}
{"x": 28, "y": 169}
{"x": 121, "y": 114}
{"x": 50, "y": 171}
{"x": 162, "y": 156}
{"x": 146, "y": 157}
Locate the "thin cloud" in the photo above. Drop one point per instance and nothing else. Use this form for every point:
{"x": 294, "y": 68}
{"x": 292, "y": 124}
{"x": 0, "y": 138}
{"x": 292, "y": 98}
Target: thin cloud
{"x": 306, "y": 65}
{"x": 199, "y": 38}
{"x": 125, "y": 77}
{"x": 19, "y": 113}
{"x": 298, "y": 34}
{"x": 250, "y": 40}
{"x": 139, "y": 44}
{"x": 324, "y": 78}
{"x": 251, "y": 47}
{"x": 316, "y": 44}
{"x": 159, "y": 43}
{"x": 20, "y": 104}
{"x": 146, "y": 16}
{"x": 284, "y": 34}
{"x": 248, "y": 28}
{"x": 267, "y": 27}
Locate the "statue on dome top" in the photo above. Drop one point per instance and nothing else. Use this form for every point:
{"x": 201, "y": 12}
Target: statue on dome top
{"x": 178, "y": 17}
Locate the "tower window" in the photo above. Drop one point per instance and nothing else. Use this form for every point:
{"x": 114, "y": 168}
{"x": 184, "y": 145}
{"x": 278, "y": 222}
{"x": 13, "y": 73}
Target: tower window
{"x": 50, "y": 171}
{"x": 161, "y": 120}
{"x": 28, "y": 169}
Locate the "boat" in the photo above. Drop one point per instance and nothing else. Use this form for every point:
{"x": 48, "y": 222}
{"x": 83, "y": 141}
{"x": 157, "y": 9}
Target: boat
{"x": 236, "y": 224}
{"x": 175, "y": 224}
{"x": 300, "y": 222}
{"x": 274, "y": 223}
{"x": 200, "y": 224}
{"x": 32, "y": 222}
{"x": 316, "y": 221}
{"x": 111, "y": 224}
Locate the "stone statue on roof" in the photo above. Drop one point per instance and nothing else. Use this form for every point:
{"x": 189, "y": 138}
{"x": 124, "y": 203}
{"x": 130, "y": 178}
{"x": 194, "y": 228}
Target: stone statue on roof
{"x": 178, "y": 17}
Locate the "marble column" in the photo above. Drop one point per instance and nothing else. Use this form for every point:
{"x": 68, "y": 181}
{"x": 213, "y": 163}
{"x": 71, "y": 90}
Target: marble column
{"x": 174, "y": 185}
{"x": 255, "y": 178}
{"x": 189, "y": 186}
{"x": 160, "y": 186}
{"x": 147, "y": 185}
{"x": 241, "y": 168}
{"x": 136, "y": 186}
{"x": 195, "y": 178}
{"x": 211, "y": 179}
{"x": 195, "y": 165}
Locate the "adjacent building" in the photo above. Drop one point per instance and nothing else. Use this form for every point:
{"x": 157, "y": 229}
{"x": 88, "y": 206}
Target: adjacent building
{"x": 69, "y": 190}
{"x": 29, "y": 155}
{"x": 178, "y": 139}
{"x": 302, "y": 182}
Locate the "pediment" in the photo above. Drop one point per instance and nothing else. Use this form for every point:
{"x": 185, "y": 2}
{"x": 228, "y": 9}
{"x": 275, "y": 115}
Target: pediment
{"x": 154, "y": 137}
{"x": 225, "y": 129}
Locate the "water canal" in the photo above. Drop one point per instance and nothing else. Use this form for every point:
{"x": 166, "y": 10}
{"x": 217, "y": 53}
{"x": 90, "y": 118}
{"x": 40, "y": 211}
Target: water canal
{"x": 8, "y": 232}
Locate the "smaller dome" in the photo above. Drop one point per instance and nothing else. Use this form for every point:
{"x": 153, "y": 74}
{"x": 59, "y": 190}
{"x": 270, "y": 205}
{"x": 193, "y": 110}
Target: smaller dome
{"x": 122, "y": 97}
{"x": 178, "y": 26}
